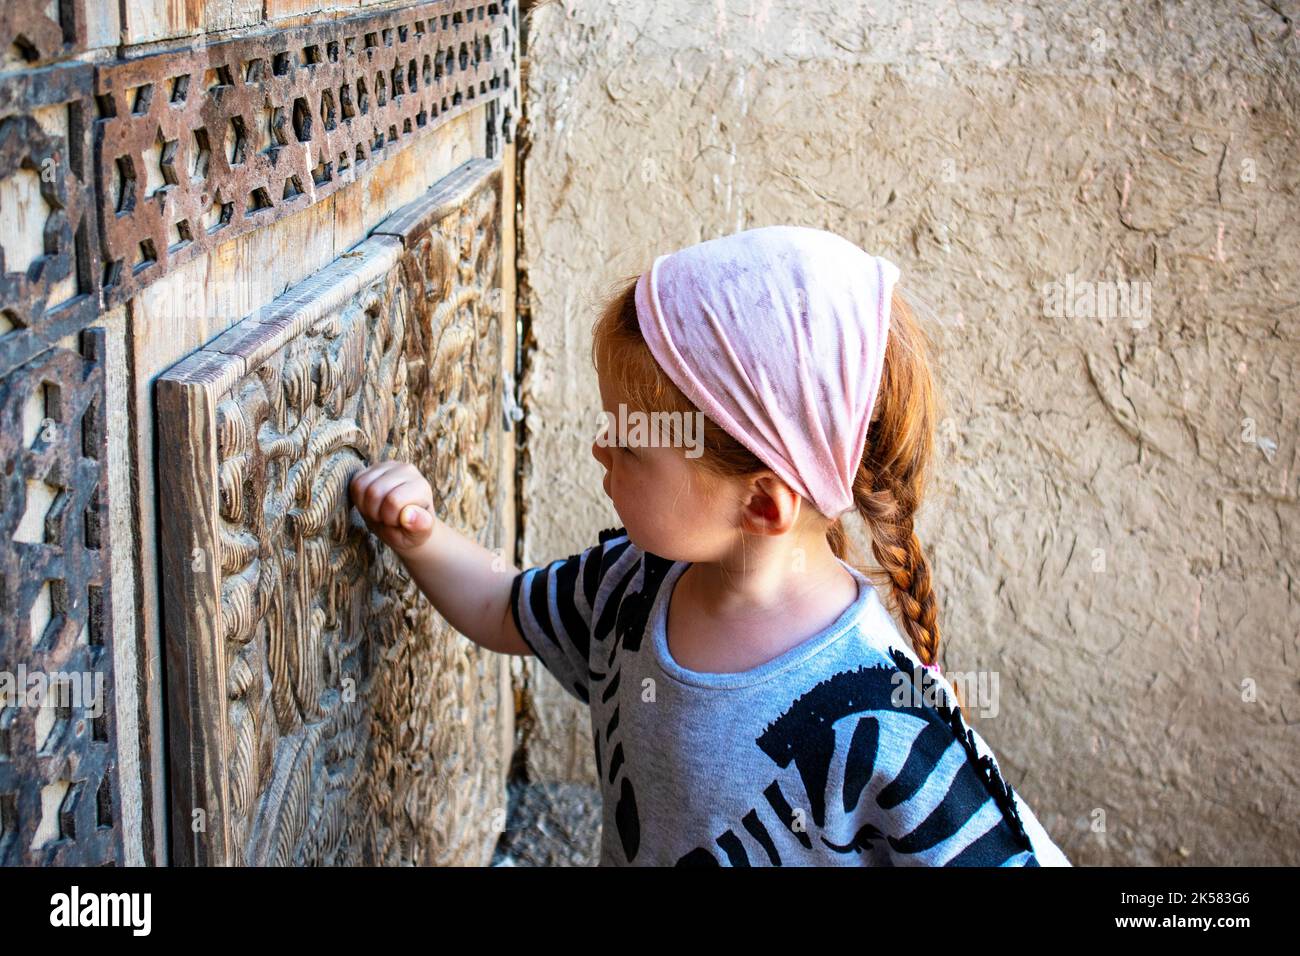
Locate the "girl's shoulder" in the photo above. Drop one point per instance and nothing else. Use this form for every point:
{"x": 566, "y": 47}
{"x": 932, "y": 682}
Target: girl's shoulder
{"x": 877, "y": 631}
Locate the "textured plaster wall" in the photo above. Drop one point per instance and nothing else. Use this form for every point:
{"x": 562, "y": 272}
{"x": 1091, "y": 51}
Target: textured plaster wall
{"x": 1113, "y": 523}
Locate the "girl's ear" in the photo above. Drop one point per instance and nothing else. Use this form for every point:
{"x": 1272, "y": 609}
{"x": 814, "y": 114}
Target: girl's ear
{"x": 769, "y": 506}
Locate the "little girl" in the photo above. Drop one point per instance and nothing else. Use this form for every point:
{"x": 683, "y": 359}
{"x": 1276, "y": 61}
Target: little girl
{"x": 752, "y": 700}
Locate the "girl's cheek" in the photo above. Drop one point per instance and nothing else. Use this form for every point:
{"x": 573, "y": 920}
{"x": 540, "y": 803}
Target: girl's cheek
{"x": 615, "y": 478}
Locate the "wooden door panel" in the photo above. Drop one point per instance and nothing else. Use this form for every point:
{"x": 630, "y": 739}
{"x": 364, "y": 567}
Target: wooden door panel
{"x": 325, "y": 713}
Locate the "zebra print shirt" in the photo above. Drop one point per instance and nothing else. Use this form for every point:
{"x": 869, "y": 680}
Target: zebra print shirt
{"x": 841, "y": 751}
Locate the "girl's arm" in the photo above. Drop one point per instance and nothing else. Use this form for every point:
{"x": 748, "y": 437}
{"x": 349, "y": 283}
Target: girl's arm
{"x": 467, "y": 584}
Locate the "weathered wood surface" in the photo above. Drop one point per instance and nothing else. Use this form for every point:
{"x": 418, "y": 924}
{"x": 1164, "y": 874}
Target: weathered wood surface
{"x": 69, "y": 96}
{"x": 321, "y": 711}
{"x": 59, "y": 796}
{"x": 48, "y": 249}
{"x": 194, "y": 304}
{"x": 34, "y": 32}
{"x": 196, "y": 147}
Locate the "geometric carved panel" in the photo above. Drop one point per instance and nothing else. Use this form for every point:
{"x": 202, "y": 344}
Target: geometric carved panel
{"x": 36, "y": 31}
{"x": 196, "y": 147}
{"x": 59, "y": 800}
{"x": 324, "y": 713}
{"x": 48, "y": 252}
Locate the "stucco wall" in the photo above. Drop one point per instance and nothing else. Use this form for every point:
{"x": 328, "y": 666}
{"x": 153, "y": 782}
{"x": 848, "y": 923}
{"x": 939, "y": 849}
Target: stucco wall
{"x": 1113, "y": 521}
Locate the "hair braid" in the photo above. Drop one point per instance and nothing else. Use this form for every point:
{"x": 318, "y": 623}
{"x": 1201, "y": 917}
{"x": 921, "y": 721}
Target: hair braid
{"x": 889, "y": 517}
{"x": 890, "y": 482}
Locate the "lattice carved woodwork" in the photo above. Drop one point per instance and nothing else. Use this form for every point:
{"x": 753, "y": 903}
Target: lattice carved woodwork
{"x": 34, "y": 32}
{"x": 59, "y": 797}
{"x": 48, "y": 252}
{"x": 196, "y": 147}
{"x": 327, "y": 714}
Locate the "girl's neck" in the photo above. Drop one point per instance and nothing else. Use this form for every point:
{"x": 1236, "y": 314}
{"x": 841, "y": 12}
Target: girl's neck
{"x": 751, "y": 606}
{"x": 765, "y": 575}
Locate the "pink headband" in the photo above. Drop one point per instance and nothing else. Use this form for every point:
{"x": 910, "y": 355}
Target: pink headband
{"x": 778, "y": 334}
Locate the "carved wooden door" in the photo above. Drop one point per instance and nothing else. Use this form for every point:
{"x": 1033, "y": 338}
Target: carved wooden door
{"x": 245, "y": 248}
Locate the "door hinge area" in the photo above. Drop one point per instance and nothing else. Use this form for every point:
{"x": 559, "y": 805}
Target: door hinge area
{"x": 511, "y": 411}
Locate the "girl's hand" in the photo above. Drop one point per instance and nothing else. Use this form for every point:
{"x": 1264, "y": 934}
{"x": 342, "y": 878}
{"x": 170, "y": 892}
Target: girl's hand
{"x": 396, "y": 502}
{"x": 465, "y": 582}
